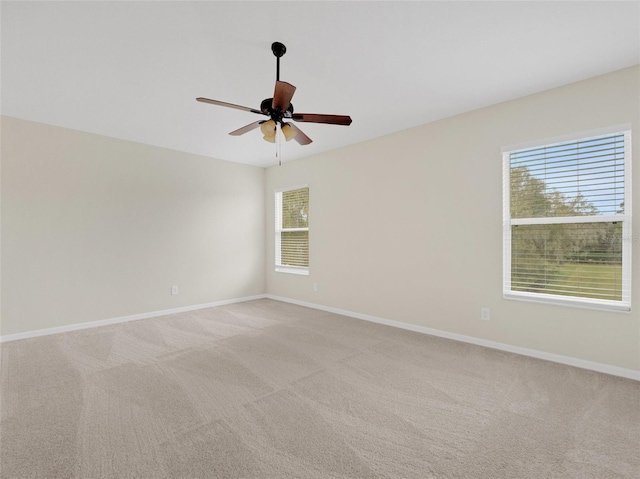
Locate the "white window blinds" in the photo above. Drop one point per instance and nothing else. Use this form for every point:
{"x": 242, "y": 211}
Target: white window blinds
{"x": 568, "y": 222}
{"x": 292, "y": 230}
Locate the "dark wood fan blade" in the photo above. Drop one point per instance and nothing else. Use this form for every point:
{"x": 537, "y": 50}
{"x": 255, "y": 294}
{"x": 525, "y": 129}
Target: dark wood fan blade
{"x": 229, "y": 105}
{"x": 317, "y": 118}
{"x": 282, "y": 95}
{"x": 300, "y": 137}
{"x": 246, "y": 128}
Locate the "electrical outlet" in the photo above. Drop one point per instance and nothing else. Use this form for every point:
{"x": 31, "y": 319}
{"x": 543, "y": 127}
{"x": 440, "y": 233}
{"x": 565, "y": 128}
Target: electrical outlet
{"x": 174, "y": 289}
{"x": 315, "y": 287}
{"x": 485, "y": 314}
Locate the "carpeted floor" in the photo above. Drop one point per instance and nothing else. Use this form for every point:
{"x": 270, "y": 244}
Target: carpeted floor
{"x": 266, "y": 389}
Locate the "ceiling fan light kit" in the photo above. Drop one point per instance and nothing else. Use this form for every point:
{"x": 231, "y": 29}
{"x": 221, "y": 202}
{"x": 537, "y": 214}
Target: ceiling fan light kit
{"x": 280, "y": 108}
{"x": 268, "y": 128}
{"x": 288, "y": 132}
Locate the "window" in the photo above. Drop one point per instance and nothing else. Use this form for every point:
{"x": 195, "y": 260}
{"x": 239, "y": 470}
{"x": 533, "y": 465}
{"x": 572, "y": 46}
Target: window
{"x": 292, "y": 230}
{"x": 567, "y": 222}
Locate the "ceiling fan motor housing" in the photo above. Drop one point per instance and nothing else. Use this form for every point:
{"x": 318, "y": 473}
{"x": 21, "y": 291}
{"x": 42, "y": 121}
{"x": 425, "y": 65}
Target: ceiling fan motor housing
{"x": 276, "y": 115}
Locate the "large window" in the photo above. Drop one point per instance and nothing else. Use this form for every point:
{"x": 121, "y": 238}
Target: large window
{"x": 567, "y": 222}
{"x": 292, "y": 230}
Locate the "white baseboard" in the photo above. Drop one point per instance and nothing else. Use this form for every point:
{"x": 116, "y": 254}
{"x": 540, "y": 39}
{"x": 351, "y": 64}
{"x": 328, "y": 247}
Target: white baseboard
{"x": 556, "y": 358}
{"x": 122, "y": 319}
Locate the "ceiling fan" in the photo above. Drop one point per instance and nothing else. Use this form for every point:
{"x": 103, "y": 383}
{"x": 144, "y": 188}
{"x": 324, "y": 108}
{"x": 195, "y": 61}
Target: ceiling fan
{"x": 279, "y": 109}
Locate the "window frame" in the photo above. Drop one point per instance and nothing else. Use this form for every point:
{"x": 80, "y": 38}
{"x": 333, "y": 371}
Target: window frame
{"x": 280, "y": 268}
{"x": 624, "y": 305}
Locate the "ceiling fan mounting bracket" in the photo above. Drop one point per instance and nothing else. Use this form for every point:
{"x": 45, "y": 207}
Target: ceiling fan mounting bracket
{"x": 278, "y": 49}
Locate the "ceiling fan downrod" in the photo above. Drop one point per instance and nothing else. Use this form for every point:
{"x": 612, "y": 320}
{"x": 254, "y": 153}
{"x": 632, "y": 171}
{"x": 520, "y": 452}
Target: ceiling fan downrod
{"x": 278, "y": 50}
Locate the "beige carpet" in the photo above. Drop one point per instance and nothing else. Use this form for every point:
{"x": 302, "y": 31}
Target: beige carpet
{"x": 266, "y": 389}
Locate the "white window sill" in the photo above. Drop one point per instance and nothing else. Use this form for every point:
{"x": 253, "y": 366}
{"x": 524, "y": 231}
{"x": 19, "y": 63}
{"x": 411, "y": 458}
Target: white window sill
{"x": 292, "y": 270}
{"x": 586, "y": 303}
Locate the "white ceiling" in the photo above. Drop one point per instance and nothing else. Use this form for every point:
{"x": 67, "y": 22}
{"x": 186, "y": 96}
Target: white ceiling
{"x": 132, "y": 70}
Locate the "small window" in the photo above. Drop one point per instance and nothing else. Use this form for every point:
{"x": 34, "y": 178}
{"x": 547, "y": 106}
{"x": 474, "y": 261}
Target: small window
{"x": 292, "y": 230}
{"x": 567, "y": 222}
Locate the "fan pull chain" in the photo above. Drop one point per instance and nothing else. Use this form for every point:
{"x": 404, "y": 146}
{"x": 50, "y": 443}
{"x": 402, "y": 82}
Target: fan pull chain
{"x": 279, "y": 144}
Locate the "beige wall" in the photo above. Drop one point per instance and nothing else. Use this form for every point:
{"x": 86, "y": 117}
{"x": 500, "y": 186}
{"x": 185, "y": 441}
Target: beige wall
{"x": 96, "y": 228}
{"x": 408, "y": 226}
